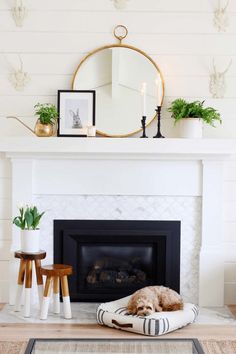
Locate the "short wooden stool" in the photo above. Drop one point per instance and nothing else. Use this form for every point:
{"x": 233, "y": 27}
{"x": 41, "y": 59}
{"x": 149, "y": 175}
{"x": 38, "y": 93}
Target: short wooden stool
{"x": 56, "y": 273}
{"x": 25, "y": 272}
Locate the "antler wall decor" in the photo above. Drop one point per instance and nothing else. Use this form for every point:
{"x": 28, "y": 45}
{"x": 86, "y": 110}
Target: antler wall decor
{"x": 19, "y": 13}
{"x": 120, "y": 4}
{"x": 217, "y": 85}
{"x": 19, "y": 78}
{"x": 221, "y": 20}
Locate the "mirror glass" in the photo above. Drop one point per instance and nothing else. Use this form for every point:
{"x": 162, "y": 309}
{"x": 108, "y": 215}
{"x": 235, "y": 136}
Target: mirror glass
{"x": 118, "y": 73}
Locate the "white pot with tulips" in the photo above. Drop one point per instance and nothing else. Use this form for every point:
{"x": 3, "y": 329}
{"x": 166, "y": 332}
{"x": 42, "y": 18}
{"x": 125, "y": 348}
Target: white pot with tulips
{"x": 28, "y": 221}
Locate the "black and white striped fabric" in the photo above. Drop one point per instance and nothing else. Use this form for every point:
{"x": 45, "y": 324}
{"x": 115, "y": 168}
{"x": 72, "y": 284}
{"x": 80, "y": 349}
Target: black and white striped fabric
{"x": 114, "y": 314}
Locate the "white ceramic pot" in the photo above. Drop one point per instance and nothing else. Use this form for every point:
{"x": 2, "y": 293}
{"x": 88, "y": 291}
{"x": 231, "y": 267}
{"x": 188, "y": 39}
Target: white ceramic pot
{"x": 30, "y": 241}
{"x": 190, "y": 128}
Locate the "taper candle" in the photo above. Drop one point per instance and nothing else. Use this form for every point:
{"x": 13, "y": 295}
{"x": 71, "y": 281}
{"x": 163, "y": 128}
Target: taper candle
{"x": 159, "y": 90}
{"x": 144, "y": 96}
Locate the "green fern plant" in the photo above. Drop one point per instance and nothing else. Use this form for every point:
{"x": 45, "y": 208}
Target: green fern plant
{"x": 182, "y": 109}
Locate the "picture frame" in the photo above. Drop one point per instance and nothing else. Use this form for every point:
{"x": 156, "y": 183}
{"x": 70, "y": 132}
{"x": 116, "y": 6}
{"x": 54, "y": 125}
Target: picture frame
{"x": 76, "y": 109}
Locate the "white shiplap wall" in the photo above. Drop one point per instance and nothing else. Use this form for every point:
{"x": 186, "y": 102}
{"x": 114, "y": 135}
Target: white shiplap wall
{"x": 5, "y": 235}
{"x": 179, "y": 35}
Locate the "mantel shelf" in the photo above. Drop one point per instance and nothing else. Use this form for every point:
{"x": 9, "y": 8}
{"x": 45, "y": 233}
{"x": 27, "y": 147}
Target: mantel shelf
{"x": 118, "y": 147}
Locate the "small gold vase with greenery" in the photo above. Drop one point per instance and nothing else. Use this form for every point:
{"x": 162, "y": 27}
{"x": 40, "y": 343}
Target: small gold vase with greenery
{"x": 47, "y": 119}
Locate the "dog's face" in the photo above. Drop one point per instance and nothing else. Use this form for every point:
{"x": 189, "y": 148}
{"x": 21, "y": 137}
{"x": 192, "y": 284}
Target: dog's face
{"x": 144, "y": 307}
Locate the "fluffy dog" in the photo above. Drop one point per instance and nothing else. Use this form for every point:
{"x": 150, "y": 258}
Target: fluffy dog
{"x": 152, "y": 299}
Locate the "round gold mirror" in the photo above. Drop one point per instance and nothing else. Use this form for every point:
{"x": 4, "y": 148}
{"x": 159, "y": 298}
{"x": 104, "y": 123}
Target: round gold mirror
{"x": 119, "y": 73}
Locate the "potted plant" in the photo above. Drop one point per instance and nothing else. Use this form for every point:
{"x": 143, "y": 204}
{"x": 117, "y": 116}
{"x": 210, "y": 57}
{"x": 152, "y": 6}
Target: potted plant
{"x": 191, "y": 115}
{"x": 28, "y": 221}
{"x": 48, "y": 116}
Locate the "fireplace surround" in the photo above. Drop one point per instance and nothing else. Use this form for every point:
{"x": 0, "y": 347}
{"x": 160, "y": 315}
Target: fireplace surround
{"x": 180, "y": 170}
{"x": 113, "y": 258}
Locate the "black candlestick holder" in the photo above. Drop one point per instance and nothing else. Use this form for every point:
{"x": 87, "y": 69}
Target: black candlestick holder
{"x": 143, "y": 122}
{"x": 158, "y": 134}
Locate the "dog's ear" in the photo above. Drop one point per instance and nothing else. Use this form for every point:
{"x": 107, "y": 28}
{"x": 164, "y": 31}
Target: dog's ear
{"x": 132, "y": 307}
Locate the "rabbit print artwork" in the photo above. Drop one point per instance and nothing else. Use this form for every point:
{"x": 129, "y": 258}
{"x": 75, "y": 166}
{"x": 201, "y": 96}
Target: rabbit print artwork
{"x": 76, "y": 119}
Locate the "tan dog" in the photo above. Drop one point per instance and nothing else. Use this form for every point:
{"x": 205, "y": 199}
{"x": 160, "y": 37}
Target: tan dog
{"x": 152, "y": 299}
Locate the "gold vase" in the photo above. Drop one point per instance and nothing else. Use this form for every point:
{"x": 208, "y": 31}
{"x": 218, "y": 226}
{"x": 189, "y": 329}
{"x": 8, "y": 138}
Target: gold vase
{"x": 43, "y": 130}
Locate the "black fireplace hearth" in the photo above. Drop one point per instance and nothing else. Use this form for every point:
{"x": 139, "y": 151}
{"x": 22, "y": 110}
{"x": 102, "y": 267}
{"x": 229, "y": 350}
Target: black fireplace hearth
{"x": 113, "y": 258}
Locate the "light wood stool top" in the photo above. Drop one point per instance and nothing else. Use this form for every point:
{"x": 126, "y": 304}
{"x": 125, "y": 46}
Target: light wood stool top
{"x": 30, "y": 256}
{"x": 58, "y": 270}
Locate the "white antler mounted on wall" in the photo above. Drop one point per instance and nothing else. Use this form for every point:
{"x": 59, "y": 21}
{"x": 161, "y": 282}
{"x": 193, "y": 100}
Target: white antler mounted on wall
{"x": 19, "y": 13}
{"x": 19, "y": 78}
{"x": 217, "y": 81}
{"x": 221, "y": 20}
{"x": 120, "y": 4}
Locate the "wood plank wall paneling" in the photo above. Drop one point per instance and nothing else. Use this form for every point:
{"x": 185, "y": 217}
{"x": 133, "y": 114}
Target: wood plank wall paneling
{"x": 5, "y": 226}
{"x": 57, "y": 34}
{"x": 178, "y": 35}
{"x": 230, "y": 230}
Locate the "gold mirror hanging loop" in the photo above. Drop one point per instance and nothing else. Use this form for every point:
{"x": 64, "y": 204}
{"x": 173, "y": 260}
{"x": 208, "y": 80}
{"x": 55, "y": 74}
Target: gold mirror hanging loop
{"x": 118, "y": 29}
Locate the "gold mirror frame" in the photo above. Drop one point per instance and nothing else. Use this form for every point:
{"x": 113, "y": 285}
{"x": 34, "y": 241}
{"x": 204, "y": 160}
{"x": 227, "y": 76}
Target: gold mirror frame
{"x": 121, "y": 45}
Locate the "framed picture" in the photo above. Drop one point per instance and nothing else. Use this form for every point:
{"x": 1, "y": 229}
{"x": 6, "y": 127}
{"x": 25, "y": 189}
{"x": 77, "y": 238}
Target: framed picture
{"x": 76, "y": 112}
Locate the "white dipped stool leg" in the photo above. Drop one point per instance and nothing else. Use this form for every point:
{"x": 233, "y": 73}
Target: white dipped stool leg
{"x": 66, "y": 297}
{"x": 28, "y": 286}
{"x": 27, "y": 302}
{"x": 56, "y": 294}
{"x": 67, "y": 307}
{"x": 40, "y": 294}
{"x": 17, "y": 306}
{"x": 39, "y": 280}
{"x": 46, "y": 299}
{"x": 21, "y": 276}
{"x": 56, "y": 303}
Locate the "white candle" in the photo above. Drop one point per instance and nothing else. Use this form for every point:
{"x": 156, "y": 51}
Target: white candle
{"x": 91, "y": 130}
{"x": 144, "y": 96}
{"x": 159, "y": 90}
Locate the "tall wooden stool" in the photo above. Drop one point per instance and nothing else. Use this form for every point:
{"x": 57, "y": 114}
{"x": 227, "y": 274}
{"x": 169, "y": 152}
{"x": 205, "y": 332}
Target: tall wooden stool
{"x": 25, "y": 272}
{"x": 56, "y": 273}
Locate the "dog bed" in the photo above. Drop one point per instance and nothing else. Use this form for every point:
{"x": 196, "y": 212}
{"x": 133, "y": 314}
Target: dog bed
{"x": 114, "y": 314}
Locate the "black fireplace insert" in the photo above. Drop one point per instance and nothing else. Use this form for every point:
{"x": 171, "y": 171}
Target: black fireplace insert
{"x": 113, "y": 258}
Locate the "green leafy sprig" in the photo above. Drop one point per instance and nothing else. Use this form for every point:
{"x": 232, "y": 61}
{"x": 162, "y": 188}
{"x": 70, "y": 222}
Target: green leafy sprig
{"x": 182, "y": 109}
{"x": 29, "y": 218}
{"x": 47, "y": 113}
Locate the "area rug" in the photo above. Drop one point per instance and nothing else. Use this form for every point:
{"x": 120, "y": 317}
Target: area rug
{"x": 218, "y": 347}
{"x": 209, "y": 346}
{"x": 12, "y": 347}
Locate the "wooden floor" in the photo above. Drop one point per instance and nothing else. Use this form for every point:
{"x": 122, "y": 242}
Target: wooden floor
{"x": 22, "y": 332}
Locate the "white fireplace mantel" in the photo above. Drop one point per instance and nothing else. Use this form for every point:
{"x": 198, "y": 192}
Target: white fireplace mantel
{"x": 101, "y": 147}
{"x": 129, "y": 167}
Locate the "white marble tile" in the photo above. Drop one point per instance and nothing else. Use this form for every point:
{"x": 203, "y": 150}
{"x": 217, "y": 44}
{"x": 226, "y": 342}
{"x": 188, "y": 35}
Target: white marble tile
{"x": 185, "y": 209}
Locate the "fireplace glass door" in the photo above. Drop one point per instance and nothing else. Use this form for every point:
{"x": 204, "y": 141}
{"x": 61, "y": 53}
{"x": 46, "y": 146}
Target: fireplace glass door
{"x": 116, "y": 266}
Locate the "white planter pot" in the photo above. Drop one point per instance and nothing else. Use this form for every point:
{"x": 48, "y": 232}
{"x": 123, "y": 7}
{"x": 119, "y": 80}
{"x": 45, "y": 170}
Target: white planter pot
{"x": 30, "y": 241}
{"x": 190, "y": 128}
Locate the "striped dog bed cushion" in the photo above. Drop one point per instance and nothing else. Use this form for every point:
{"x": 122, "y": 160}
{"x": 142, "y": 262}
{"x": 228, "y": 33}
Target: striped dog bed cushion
{"x": 114, "y": 314}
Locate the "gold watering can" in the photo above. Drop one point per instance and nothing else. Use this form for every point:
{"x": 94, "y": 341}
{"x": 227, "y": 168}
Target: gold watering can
{"x": 41, "y": 130}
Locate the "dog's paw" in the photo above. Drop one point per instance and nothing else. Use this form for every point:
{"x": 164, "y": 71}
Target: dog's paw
{"x": 158, "y": 309}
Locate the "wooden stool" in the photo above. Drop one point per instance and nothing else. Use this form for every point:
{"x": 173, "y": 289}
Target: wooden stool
{"x": 25, "y": 272}
{"x": 57, "y": 273}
